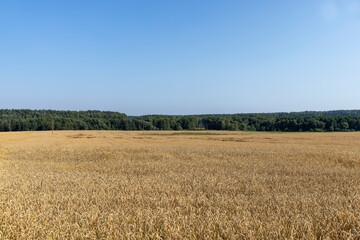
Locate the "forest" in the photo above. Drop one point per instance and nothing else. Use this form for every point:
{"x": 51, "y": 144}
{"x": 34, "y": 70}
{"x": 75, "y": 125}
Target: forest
{"x": 42, "y": 120}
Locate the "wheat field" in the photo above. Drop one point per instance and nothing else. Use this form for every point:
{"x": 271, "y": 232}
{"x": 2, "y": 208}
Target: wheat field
{"x": 179, "y": 185}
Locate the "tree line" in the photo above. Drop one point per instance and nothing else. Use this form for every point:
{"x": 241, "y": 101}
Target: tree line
{"x": 41, "y": 120}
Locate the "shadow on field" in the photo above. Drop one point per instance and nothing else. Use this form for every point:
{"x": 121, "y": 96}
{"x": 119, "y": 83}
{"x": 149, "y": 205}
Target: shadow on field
{"x": 81, "y": 136}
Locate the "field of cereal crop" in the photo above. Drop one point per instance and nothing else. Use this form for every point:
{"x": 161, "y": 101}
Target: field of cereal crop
{"x": 179, "y": 185}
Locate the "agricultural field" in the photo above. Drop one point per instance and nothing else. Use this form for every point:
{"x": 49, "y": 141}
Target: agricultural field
{"x": 179, "y": 185}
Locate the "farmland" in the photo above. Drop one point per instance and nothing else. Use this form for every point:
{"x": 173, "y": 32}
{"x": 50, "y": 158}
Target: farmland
{"x": 179, "y": 185}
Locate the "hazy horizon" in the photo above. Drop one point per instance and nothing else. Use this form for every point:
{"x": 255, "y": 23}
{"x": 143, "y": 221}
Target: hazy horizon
{"x": 234, "y": 113}
{"x": 180, "y": 57}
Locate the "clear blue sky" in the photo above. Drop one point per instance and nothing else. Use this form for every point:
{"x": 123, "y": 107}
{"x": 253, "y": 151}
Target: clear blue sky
{"x": 180, "y": 56}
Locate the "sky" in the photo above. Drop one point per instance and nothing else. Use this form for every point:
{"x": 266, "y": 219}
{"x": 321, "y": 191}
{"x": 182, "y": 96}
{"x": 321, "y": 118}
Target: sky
{"x": 180, "y": 56}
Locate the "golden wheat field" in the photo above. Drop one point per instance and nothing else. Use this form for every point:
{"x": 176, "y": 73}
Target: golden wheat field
{"x": 179, "y": 185}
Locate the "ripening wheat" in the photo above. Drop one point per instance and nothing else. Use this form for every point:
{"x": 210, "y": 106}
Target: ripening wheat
{"x": 179, "y": 185}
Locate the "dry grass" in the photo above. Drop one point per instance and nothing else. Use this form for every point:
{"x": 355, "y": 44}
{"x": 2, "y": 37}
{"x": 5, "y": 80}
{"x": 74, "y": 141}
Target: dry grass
{"x": 135, "y": 185}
